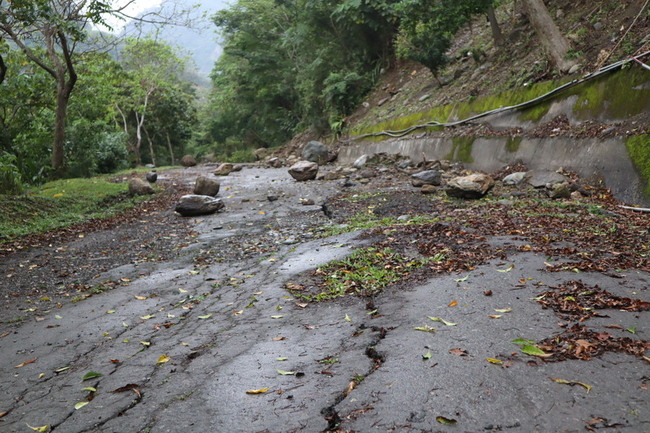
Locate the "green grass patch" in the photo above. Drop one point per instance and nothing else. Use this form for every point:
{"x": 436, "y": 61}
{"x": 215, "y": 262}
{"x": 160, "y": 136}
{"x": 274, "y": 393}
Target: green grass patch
{"x": 363, "y": 273}
{"x": 61, "y": 203}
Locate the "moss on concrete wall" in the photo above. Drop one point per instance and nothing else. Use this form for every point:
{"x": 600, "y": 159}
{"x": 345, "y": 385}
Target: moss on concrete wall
{"x": 639, "y": 149}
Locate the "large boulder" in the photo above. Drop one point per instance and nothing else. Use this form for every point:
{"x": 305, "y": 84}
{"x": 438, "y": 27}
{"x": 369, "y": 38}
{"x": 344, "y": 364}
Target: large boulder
{"x": 206, "y": 186}
{"x": 472, "y": 186}
{"x": 188, "y": 161}
{"x": 152, "y": 176}
{"x": 315, "y": 151}
{"x": 139, "y": 186}
{"x": 304, "y": 170}
{"x": 224, "y": 169}
{"x": 195, "y": 205}
{"x": 542, "y": 178}
{"x": 427, "y": 177}
{"x": 261, "y": 153}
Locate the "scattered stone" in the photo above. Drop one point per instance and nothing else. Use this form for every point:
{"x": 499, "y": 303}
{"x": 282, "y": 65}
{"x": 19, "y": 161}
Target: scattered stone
{"x": 427, "y": 177}
{"x": 367, "y": 174}
{"x": 424, "y": 97}
{"x": 505, "y": 202}
{"x": 272, "y": 197}
{"x": 307, "y": 202}
{"x": 575, "y": 195}
{"x": 472, "y": 187}
{"x": 188, "y": 161}
{"x": 404, "y": 164}
{"x": 403, "y": 218}
{"x": 139, "y": 187}
{"x": 195, "y": 205}
{"x": 560, "y": 191}
{"x": 304, "y": 170}
{"x": 364, "y": 181}
{"x": 428, "y": 189}
{"x": 382, "y": 101}
{"x": 514, "y": 178}
{"x": 290, "y": 241}
{"x": 598, "y": 26}
{"x": 349, "y": 170}
{"x": 237, "y": 167}
{"x": 261, "y": 153}
{"x": 332, "y": 175}
{"x": 541, "y": 178}
{"x": 152, "y": 176}
{"x": 224, "y": 169}
{"x": 361, "y": 161}
{"x": 315, "y": 151}
{"x": 275, "y": 162}
{"x": 206, "y": 186}
{"x": 574, "y": 69}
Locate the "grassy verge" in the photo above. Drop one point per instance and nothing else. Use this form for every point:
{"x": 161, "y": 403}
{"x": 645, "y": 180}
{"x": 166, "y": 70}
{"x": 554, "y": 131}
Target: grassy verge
{"x": 61, "y": 203}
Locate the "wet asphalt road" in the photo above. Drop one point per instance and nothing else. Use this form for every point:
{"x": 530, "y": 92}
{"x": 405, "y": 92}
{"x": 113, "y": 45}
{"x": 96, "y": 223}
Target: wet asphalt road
{"x": 180, "y": 348}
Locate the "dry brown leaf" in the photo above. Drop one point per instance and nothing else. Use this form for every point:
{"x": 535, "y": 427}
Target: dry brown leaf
{"x": 453, "y": 303}
{"x": 22, "y": 364}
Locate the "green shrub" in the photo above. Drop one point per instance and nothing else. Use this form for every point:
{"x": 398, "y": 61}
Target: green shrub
{"x": 10, "y": 179}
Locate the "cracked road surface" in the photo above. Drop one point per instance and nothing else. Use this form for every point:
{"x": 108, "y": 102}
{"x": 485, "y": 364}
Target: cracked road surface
{"x": 183, "y": 345}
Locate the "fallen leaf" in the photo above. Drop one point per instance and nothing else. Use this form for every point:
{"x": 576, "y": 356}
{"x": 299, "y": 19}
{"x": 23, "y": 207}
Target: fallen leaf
{"x": 141, "y": 298}
{"x": 494, "y": 361}
{"x": 3, "y": 413}
{"x": 4, "y": 334}
{"x": 286, "y": 373}
{"x": 257, "y": 391}
{"x": 80, "y": 405}
{"x": 521, "y": 341}
{"x": 56, "y": 316}
{"x": 438, "y": 319}
{"x": 446, "y": 421}
{"x": 42, "y": 375}
{"x": 453, "y": 303}
{"x": 91, "y": 375}
{"x": 129, "y": 387}
{"x": 347, "y": 318}
{"x": 163, "y": 359}
{"x": 146, "y": 343}
{"x": 508, "y": 269}
{"x": 278, "y": 338}
{"x": 301, "y": 304}
{"x": 503, "y": 310}
{"x": 22, "y": 364}
{"x": 614, "y": 326}
{"x": 495, "y": 316}
{"x": 115, "y": 361}
{"x": 110, "y": 311}
{"x": 571, "y": 382}
{"x": 460, "y": 280}
{"x": 39, "y": 429}
{"x": 529, "y": 349}
{"x": 206, "y": 316}
{"x": 279, "y": 316}
{"x": 458, "y": 351}
{"x": 281, "y": 358}
{"x": 147, "y": 317}
{"x": 61, "y": 370}
{"x": 237, "y": 313}
{"x": 425, "y": 328}
{"x": 90, "y": 389}
{"x": 427, "y": 355}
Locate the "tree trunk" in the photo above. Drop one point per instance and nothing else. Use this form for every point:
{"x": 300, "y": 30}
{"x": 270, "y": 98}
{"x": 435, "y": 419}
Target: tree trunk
{"x": 3, "y": 69}
{"x": 171, "y": 149}
{"x": 556, "y": 45}
{"x": 151, "y": 151}
{"x": 494, "y": 26}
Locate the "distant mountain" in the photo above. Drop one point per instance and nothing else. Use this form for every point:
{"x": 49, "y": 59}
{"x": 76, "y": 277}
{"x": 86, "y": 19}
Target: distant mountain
{"x": 199, "y": 43}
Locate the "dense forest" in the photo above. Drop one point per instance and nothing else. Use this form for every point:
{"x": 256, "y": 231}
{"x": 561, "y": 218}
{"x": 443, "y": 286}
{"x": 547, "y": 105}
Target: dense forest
{"x": 77, "y": 102}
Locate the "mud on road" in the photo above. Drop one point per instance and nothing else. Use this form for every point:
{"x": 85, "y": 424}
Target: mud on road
{"x": 215, "y": 336}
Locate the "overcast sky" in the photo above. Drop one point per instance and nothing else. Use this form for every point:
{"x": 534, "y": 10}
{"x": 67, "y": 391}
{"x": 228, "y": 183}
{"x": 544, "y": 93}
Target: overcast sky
{"x": 136, "y": 7}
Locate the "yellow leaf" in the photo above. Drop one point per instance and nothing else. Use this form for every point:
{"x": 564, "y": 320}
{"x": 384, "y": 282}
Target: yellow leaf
{"x": 141, "y": 298}
{"x": 110, "y": 312}
{"x": 145, "y": 343}
{"x": 182, "y": 291}
{"x": 503, "y": 310}
{"x": 494, "y": 361}
{"x": 257, "y": 391}
{"x": 147, "y": 317}
{"x": 80, "y": 405}
{"x": 58, "y": 195}
{"x": 163, "y": 359}
{"x": 237, "y": 313}
{"x": 40, "y": 429}
{"x": 347, "y": 318}
{"x": 571, "y": 382}
{"x": 40, "y": 376}
{"x": 453, "y": 303}
{"x": 279, "y": 316}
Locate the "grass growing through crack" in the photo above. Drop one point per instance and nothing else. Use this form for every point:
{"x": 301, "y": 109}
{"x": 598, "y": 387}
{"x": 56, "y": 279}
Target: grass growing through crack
{"x": 364, "y": 273}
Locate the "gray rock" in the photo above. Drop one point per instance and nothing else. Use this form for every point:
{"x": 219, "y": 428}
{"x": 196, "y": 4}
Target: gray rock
{"x": 152, "y": 176}
{"x": 366, "y": 174}
{"x": 315, "y": 151}
{"x": 206, "y": 186}
{"x": 237, "y": 167}
{"x": 574, "y": 69}
{"x": 332, "y": 175}
{"x": 471, "y": 187}
{"x": 188, "y": 161}
{"x": 560, "y": 191}
{"x": 361, "y": 161}
{"x": 404, "y": 164}
{"x": 307, "y": 202}
{"x": 304, "y": 170}
{"x": 541, "y": 178}
{"x": 428, "y": 189}
{"x": 275, "y": 162}
{"x": 514, "y": 178}
{"x": 427, "y": 177}
{"x": 272, "y": 197}
{"x": 139, "y": 186}
{"x": 261, "y": 153}
{"x": 194, "y": 205}
{"x": 224, "y": 169}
